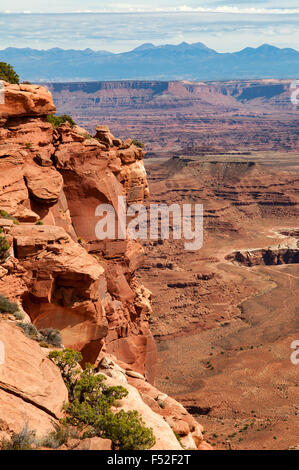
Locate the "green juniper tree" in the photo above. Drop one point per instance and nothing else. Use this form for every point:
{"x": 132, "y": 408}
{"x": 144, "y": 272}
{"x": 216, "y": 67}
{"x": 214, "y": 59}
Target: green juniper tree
{"x": 90, "y": 402}
{"x": 8, "y": 74}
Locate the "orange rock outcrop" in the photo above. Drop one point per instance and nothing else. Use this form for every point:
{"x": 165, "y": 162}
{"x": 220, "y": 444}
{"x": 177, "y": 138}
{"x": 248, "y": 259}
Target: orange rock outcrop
{"x": 59, "y": 177}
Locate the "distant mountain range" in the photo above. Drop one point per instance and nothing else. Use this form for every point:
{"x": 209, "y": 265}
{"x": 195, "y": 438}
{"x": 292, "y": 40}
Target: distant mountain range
{"x": 167, "y": 62}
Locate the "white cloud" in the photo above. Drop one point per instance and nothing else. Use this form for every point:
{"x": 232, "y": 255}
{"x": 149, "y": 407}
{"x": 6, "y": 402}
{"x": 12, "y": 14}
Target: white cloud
{"x": 232, "y": 9}
{"x": 126, "y": 7}
{"x": 220, "y": 31}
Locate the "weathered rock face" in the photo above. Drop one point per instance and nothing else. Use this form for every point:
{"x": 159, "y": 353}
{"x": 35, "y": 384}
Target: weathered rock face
{"x": 62, "y": 284}
{"x": 62, "y": 276}
{"x": 60, "y": 177}
{"x": 31, "y": 388}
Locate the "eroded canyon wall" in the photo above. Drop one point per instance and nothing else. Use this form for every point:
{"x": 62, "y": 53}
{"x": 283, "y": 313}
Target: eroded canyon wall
{"x": 185, "y": 117}
{"x": 51, "y": 181}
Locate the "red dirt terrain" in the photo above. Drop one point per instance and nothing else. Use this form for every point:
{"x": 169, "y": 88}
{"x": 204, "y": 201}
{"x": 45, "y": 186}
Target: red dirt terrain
{"x": 196, "y": 117}
{"x": 224, "y": 317}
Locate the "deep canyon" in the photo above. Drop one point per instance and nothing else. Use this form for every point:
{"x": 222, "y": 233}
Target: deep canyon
{"x": 207, "y": 332}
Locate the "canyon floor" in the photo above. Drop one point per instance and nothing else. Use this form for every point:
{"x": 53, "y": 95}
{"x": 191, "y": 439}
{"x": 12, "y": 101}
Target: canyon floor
{"x": 223, "y": 329}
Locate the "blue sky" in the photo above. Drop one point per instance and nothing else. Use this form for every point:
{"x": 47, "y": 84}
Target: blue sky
{"x": 224, "y": 25}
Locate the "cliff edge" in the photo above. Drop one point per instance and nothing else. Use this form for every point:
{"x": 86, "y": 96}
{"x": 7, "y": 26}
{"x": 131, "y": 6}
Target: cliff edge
{"x": 61, "y": 276}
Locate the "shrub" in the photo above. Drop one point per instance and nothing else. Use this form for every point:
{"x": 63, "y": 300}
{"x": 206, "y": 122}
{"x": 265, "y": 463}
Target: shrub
{"x": 67, "y": 361}
{"x": 137, "y": 143}
{"x": 23, "y": 440}
{"x": 39, "y": 222}
{"x": 56, "y": 121}
{"x": 90, "y": 403}
{"x": 8, "y": 73}
{"x": 51, "y": 336}
{"x": 178, "y": 437}
{"x": 29, "y": 330}
{"x": 57, "y": 438}
{"x": 92, "y": 399}
{"x": 4, "y": 248}
{"x": 6, "y": 215}
{"x": 6, "y": 306}
{"x": 18, "y": 315}
{"x": 127, "y": 431}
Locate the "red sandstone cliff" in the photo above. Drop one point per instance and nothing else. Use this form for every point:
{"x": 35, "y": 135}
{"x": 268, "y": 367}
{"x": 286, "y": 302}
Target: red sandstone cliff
{"x": 61, "y": 275}
{"x": 59, "y": 177}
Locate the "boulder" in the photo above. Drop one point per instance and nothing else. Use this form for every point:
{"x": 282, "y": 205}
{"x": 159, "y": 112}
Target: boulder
{"x": 127, "y": 155}
{"x": 95, "y": 443}
{"x": 136, "y": 375}
{"x": 44, "y": 184}
{"x": 104, "y": 135}
{"x": 26, "y": 100}
{"x": 43, "y": 160}
{"x": 178, "y": 426}
{"x": 111, "y": 369}
{"x": 127, "y": 143}
{"x": 31, "y": 387}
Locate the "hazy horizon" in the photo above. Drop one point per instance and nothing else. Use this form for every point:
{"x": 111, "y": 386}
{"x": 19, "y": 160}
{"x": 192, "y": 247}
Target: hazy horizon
{"x": 122, "y": 32}
{"x": 142, "y": 44}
